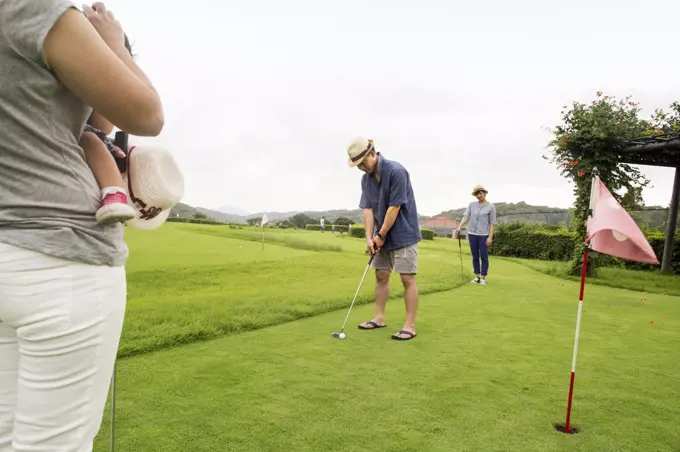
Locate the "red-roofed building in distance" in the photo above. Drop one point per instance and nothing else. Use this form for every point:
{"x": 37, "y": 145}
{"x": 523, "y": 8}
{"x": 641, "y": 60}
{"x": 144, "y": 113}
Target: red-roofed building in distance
{"x": 442, "y": 225}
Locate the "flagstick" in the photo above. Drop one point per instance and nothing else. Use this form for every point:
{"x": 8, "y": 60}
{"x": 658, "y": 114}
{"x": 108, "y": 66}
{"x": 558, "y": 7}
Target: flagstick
{"x": 576, "y": 337}
{"x": 262, "y": 237}
{"x": 584, "y": 271}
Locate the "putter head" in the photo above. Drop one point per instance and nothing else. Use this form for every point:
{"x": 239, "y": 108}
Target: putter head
{"x": 336, "y": 335}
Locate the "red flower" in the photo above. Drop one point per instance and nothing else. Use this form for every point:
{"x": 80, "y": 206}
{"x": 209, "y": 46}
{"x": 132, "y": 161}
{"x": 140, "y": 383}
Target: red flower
{"x": 581, "y": 173}
{"x": 566, "y": 135}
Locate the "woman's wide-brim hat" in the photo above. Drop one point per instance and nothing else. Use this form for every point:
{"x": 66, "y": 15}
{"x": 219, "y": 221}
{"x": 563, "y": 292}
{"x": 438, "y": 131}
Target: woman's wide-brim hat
{"x": 479, "y": 188}
{"x": 154, "y": 184}
{"x": 358, "y": 150}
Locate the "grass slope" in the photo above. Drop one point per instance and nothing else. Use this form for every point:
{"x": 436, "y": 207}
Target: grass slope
{"x": 189, "y": 283}
{"x": 645, "y": 281}
{"x": 488, "y": 371}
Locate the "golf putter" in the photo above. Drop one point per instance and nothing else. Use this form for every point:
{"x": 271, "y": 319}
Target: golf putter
{"x": 342, "y": 330}
{"x": 113, "y": 410}
{"x": 121, "y": 141}
{"x": 460, "y": 253}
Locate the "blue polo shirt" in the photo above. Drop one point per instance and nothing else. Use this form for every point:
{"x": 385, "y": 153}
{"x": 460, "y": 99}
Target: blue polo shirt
{"x": 394, "y": 189}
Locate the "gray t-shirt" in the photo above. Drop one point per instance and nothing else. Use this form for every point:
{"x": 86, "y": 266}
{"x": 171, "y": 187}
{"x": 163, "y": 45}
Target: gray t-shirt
{"x": 480, "y": 218}
{"x": 48, "y": 194}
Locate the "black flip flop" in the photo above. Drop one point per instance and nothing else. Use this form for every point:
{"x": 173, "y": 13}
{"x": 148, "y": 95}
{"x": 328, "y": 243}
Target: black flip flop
{"x": 397, "y": 338}
{"x": 374, "y": 327}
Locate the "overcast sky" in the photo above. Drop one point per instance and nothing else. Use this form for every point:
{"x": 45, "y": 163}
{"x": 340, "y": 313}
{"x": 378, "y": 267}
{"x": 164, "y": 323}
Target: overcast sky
{"x": 259, "y": 95}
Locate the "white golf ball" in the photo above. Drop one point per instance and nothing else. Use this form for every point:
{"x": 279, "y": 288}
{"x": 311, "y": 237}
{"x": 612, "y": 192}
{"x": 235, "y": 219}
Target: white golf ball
{"x": 342, "y": 335}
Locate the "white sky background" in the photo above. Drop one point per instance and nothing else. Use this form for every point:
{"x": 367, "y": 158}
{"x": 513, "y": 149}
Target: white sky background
{"x": 261, "y": 94}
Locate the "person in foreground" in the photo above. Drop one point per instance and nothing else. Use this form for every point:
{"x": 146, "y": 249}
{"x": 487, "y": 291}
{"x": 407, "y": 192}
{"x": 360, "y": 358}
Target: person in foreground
{"x": 392, "y": 230}
{"x": 62, "y": 274}
{"x": 481, "y": 219}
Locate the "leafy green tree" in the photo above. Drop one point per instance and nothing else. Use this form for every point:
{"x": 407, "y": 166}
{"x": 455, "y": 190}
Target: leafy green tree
{"x": 344, "y": 221}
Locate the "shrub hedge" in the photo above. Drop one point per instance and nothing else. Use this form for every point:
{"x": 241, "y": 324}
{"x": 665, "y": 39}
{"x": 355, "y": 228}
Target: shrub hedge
{"x": 428, "y": 234}
{"x": 359, "y": 232}
{"x": 531, "y": 241}
{"x": 544, "y": 242}
{"x": 329, "y": 227}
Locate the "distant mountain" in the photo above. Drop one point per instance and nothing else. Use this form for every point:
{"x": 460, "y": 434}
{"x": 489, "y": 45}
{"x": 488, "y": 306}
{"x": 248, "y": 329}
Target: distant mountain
{"x": 654, "y": 217}
{"x": 231, "y": 210}
{"x": 186, "y": 211}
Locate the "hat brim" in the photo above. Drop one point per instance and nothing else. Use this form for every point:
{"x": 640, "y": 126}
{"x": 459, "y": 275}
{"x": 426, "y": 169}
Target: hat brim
{"x": 151, "y": 224}
{"x": 353, "y": 163}
{"x": 474, "y": 193}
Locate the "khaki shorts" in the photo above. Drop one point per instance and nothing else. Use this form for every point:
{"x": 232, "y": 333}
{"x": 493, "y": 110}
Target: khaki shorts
{"x": 402, "y": 260}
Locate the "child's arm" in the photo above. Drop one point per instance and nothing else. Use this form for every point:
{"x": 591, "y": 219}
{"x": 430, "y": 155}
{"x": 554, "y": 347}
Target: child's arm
{"x": 99, "y": 122}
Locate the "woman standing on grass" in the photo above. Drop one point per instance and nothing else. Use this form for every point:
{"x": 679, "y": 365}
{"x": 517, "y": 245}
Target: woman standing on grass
{"x": 62, "y": 274}
{"x": 482, "y": 220}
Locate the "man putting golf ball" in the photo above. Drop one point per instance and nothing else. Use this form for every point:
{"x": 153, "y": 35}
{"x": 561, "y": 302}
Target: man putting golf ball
{"x": 392, "y": 230}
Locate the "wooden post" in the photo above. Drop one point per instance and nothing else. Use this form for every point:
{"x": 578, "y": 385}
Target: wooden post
{"x": 672, "y": 223}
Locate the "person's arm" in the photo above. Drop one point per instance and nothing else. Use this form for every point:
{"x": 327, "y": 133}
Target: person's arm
{"x": 99, "y": 122}
{"x": 369, "y": 223}
{"x": 492, "y": 223}
{"x": 396, "y": 198}
{"x": 390, "y": 218}
{"x": 369, "y": 219}
{"x": 93, "y": 63}
{"x": 463, "y": 222}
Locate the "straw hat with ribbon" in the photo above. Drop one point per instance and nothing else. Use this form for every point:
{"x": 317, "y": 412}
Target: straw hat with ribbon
{"x": 479, "y": 188}
{"x": 358, "y": 150}
{"x": 154, "y": 183}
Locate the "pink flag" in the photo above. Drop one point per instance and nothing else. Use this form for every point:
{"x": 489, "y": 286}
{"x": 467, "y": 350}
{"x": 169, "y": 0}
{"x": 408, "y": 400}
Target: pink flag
{"x": 612, "y": 231}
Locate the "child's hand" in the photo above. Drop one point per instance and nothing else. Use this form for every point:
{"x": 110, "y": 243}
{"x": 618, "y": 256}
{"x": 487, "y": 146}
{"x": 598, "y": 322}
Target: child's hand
{"x": 118, "y": 152}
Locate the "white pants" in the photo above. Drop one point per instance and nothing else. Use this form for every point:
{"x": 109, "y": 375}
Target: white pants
{"x": 60, "y": 323}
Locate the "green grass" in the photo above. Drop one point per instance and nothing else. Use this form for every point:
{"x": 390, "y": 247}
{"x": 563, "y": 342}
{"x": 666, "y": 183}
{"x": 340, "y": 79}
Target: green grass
{"x": 189, "y": 283}
{"x": 489, "y": 370}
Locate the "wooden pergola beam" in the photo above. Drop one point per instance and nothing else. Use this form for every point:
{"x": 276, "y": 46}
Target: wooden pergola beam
{"x": 659, "y": 150}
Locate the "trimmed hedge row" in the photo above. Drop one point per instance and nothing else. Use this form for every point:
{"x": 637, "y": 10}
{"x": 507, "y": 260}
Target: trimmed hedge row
{"x": 428, "y": 234}
{"x": 359, "y": 232}
{"x": 530, "y": 241}
{"x": 329, "y": 227}
{"x": 534, "y": 241}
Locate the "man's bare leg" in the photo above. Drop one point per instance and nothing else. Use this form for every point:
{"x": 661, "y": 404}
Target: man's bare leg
{"x": 411, "y": 302}
{"x": 382, "y": 293}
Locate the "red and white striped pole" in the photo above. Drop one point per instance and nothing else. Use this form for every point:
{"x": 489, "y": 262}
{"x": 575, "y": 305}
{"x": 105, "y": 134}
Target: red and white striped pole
{"x": 576, "y": 337}
{"x": 584, "y": 269}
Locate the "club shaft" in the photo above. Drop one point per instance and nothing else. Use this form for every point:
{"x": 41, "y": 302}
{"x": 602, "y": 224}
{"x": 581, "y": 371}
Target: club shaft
{"x": 355, "y": 297}
{"x": 113, "y": 410}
